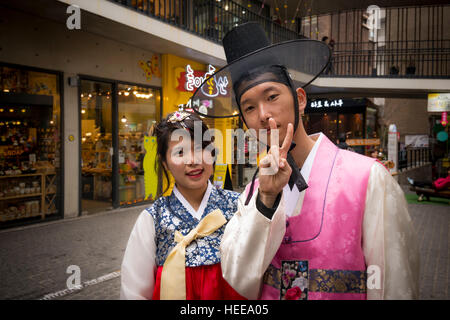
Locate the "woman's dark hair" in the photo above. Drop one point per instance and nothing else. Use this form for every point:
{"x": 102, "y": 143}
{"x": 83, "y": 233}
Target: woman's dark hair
{"x": 163, "y": 131}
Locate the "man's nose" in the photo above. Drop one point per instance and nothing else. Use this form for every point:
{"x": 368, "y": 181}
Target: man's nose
{"x": 264, "y": 112}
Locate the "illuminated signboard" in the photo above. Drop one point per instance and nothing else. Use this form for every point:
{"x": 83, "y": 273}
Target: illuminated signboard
{"x": 327, "y": 105}
{"x": 193, "y": 79}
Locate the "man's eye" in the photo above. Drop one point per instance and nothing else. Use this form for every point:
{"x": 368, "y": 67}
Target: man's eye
{"x": 249, "y": 108}
{"x": 273, "y": 97}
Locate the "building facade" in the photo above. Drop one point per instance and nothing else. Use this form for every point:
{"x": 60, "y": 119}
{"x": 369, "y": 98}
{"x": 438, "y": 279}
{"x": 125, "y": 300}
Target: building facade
{"x": 82, "y": 83}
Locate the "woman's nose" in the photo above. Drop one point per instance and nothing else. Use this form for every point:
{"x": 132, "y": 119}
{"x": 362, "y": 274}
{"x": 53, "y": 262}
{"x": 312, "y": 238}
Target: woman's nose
{"x": 194, "y": 157}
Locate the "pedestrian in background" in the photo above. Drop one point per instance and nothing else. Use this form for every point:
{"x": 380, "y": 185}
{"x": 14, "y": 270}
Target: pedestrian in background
{"x": 342, "y": 144}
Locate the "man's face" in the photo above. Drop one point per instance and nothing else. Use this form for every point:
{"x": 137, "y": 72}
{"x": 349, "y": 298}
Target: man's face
{"x": 268, "y": 100}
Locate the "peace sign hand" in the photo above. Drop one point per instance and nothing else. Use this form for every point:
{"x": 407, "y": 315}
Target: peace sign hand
{"x": 275, "y": 171}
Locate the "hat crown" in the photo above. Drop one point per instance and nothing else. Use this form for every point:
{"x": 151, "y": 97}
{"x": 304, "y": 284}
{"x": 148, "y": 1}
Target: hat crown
{"x": 244, "y": 39}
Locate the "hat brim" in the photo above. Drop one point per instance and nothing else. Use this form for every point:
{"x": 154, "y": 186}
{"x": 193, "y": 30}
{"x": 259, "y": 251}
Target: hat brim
{"x": 304, "y": 60}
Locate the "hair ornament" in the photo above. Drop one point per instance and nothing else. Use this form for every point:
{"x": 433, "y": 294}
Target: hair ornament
{"x": 178, "y": 116}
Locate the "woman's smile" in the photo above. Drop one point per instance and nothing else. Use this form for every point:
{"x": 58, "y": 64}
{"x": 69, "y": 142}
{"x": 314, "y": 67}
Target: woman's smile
{"x": 195, "y": 174}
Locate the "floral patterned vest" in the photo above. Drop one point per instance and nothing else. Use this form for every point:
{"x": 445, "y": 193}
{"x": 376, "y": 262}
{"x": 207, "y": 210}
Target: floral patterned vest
{"x": 170, "y": 215}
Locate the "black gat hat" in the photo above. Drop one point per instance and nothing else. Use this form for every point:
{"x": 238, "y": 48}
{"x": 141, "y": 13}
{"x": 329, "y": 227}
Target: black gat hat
{"x": 253, "y": 60}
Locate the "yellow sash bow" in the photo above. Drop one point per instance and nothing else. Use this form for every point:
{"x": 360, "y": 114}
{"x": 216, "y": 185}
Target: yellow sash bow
{"x": 173, "y": 277}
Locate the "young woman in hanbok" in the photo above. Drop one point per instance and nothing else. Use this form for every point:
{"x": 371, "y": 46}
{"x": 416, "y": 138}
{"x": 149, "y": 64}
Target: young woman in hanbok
{"x": 174, "y": 248}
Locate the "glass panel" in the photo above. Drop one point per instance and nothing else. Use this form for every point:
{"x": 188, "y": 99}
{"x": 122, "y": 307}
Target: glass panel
{"x": 352, "y": 125}
{"x": 30, "y": 145}
{"x": 322, "y": 122}
{"x": 96, "y": 146}
{"x": 138, "y": 111}
{"x": 371, "y": 123}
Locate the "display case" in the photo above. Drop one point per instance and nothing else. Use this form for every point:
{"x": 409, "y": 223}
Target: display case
{"x": 96, "y": 168}
{"x": 131, "y": 172}
{"x": 27, "y": 195}
{"x": 30, "y": 144}
{"x": 28, "y": 183}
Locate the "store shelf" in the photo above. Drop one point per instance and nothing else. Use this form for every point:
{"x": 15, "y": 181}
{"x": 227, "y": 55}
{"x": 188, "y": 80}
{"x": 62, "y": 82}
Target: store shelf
{"x": 12, "y": 176}
{"x": 96, "y": 151}
{"x": 9, "y": 217}
{"x": 127, "y": 187}
{"x": 21, "y": 196}
{"x": 47, "y": 202}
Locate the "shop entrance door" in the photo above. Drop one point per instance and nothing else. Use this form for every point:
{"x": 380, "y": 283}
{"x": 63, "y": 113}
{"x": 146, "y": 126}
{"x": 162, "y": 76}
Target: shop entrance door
{"x": 96, "y": 146}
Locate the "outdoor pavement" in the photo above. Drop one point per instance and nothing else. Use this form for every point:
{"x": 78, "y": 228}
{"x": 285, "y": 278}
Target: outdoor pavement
{"x": 34, "y": 259}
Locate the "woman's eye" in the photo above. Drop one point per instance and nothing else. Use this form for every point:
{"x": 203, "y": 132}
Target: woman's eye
{"x": 179, "y": 153}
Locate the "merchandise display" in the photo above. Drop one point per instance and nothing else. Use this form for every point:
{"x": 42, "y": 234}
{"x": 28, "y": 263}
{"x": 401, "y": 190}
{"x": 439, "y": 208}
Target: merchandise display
{"x": 27, "y": 170}
{"x": 96, "y": 166}
{"x": 29, "y": 144}
{"x": 131, "y": 155}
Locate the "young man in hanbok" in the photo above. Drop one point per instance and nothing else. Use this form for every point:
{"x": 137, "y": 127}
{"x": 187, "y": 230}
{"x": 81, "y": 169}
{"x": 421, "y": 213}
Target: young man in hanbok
{"x": 319, "y": 222}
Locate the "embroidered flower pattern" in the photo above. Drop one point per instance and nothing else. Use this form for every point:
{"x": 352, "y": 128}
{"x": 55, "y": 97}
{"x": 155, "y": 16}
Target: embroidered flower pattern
{"x": 294, "y": 280}
{"x": 293, "y": 293}
{"x": 169, "y": 215}
{"x": 300, "y": 282}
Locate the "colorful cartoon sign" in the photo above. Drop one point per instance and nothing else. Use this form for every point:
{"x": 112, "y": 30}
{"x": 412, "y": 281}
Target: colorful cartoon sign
{"x": 151, "y": 67}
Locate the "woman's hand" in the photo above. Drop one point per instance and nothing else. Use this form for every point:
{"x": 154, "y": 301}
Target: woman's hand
{"x": 274, "y": 170}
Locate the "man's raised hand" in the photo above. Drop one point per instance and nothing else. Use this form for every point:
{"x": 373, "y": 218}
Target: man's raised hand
{"x": 274, "y": 170}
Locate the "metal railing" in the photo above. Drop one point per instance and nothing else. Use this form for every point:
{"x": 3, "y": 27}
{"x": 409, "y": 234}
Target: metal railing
{"x": 413, "y": 157}
{"x": 206, "y": 18}
{"x": 406, "y": 59}
{"x": 213, "y": 19}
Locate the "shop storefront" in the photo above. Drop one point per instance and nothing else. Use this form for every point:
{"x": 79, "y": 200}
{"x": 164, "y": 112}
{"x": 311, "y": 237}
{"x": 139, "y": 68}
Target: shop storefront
{"x": 30, "y": 145}
{"x": 77, "y": 139}
{"x": 118, "y": 154}
{"x": 354, "y": 118}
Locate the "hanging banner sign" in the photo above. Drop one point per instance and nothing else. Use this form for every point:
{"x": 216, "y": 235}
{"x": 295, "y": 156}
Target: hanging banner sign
{"x": 393, "y": 137}
{"x": 438, "y": 102}
{"x": 417, "y": 141}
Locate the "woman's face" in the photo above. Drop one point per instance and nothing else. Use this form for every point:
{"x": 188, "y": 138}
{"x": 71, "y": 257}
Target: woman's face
{"x": 191, "y": 166}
